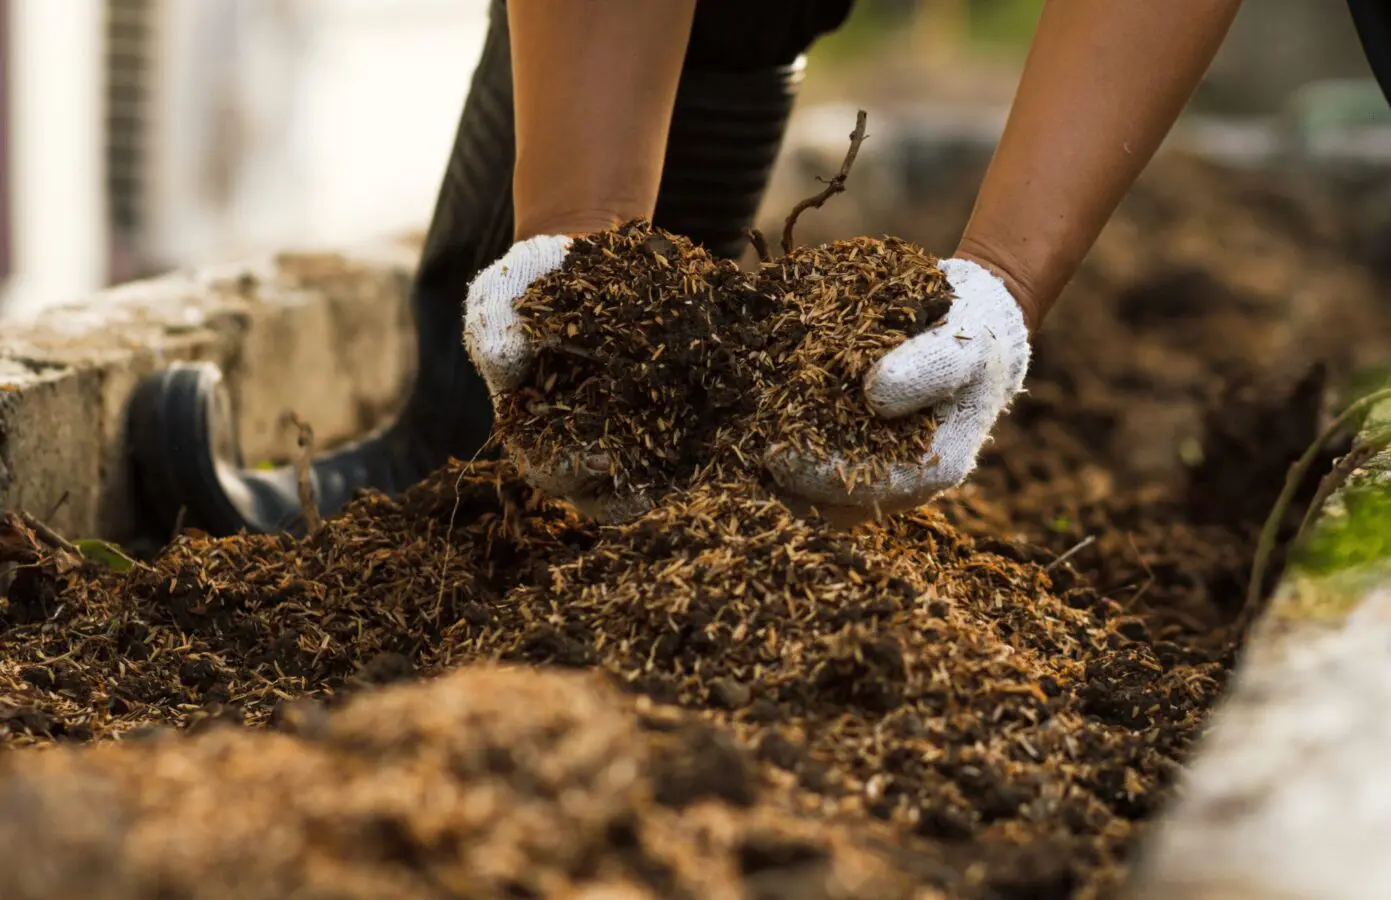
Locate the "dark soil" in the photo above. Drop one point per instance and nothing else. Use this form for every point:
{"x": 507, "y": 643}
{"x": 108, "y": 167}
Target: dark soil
{"x": 930, "y": 704}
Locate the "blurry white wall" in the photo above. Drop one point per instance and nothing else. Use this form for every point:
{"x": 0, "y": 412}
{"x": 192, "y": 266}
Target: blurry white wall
{"x": 303, "y": 121}
{"x": 264, "y": 123}
{"x": 58, "y": 211}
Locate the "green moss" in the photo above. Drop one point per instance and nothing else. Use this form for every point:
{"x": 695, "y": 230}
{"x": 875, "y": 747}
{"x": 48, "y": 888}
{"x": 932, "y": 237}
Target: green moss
{"x": 1364, "y": 381}
{"x": 1356, "y": 532}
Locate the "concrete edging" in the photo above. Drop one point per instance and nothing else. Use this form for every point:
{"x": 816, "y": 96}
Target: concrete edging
{"x": 1288, "y": 796}
{"x": 325, "y": 335}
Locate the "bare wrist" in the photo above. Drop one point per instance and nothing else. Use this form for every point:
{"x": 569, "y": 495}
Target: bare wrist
{"x": 575, "y": 223}
{"x": 1030, "y": 303}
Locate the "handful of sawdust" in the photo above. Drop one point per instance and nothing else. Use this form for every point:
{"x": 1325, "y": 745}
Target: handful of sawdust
{"x": 843, "y": 306}
{"x": 672, "y": 367}
{"x": 638, "y": 359}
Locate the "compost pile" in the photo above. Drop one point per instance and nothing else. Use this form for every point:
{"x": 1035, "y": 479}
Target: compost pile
{"x": 943, "y": 698}
{"x": 940, "y": 705}
{"x": 482, "y": 784}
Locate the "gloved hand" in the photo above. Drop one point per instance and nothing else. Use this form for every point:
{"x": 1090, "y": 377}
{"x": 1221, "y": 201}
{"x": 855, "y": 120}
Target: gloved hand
{"x": 969, "y": 367}
{"x": 493, "y": 332}
{"x": 504, "y": 355}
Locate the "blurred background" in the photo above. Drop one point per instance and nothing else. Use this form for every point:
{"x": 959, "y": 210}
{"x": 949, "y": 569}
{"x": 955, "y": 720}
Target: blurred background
{"x": 142, "y": 135}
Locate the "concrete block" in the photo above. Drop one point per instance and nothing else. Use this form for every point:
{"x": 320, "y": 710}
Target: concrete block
{"x": 326, "y": 336}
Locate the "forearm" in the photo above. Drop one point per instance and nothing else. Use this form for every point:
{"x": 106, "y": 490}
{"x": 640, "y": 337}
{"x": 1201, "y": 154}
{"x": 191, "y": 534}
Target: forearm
{"x": 1104, "y": 83}
{"x": 594, "y": 84}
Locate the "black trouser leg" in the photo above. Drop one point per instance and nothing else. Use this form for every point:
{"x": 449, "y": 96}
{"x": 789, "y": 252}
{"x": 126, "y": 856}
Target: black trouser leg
{"x": 1373, "y": 21}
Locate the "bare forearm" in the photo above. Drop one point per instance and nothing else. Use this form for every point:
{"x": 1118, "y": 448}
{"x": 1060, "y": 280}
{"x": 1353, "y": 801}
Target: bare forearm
{"x": 594, "y": 84}
{"x": 1104, "y": 83}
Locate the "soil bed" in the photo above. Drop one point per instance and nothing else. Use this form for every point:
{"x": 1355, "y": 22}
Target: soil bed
{"x": 932, "y": 707}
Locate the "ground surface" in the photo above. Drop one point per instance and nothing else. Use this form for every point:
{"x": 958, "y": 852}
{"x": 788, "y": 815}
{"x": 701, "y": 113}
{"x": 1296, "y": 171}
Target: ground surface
{"x": 755, "y": 706}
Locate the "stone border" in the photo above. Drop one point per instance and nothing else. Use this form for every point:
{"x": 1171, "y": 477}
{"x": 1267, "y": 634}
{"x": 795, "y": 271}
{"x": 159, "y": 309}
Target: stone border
{"x": 1288, "y": 796}
{"x": 327, "y": 336}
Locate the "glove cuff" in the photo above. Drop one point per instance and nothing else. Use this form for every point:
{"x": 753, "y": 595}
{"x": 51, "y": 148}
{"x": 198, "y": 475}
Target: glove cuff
{"x": 1004, "y": 315}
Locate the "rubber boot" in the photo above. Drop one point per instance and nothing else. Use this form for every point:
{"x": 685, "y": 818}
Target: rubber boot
{"x": 731, "y": 112}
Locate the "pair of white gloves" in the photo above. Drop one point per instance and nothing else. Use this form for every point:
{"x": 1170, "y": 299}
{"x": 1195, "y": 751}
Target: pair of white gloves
{"x": 969, "y": 368}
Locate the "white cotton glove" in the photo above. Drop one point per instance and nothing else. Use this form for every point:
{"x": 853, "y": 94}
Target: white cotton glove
{"x": 492, "y": 330}
{"x": 499, "y": 347}
{"x": 969, "y": 368}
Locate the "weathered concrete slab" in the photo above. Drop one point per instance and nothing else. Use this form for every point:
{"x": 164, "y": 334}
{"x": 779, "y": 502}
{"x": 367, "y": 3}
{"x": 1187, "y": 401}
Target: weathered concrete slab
{"x": 324, "y": 335}
{"x": 1289, "y": 794}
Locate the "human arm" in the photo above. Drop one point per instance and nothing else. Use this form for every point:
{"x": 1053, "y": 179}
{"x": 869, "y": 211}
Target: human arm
{"x": 1104, "y": 83}
{"x": 594, "y": 84}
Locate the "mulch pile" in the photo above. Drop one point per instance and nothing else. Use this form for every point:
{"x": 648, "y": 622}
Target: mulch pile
{"x": 756, "y": 705}
{"x": 484, "y": 783}
{"x": 901, "y": 675}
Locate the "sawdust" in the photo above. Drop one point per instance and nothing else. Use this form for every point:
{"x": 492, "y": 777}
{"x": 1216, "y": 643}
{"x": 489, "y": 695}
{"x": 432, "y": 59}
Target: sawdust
{"x": 483, "y": 783}
{"x": 842, "y": 307}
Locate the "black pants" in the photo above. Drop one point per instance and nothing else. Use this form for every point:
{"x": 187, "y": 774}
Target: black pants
{"x": 741, "y": 35}
{"x": 1373, "y": 21}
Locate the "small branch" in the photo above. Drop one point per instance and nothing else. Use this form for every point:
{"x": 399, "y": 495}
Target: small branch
{"x": 1336, "y": 478}
{"x": 760, "y": 244}
{"x": 62, "y": 501}
{"x": 308, "y": 501}
{"x": 1076, "y": 549}
{"x": 835, "y": 186}
{"x": 50, "y": 537}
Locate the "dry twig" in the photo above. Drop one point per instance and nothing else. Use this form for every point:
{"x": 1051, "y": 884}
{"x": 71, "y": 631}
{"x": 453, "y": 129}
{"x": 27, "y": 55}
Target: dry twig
{"x": 46, "y": 534}
{"x": 308, "y": 499}
{"x": 835, "y": 186}
{"x": 760, "y": 244}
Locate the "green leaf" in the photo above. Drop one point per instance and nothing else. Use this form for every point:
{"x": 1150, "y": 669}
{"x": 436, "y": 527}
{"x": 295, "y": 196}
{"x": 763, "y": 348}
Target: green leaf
{"x": 108, "y": 555}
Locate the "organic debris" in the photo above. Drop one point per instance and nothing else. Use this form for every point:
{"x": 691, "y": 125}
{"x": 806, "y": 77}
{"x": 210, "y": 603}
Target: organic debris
{"x": 638, "y": 366}
{"x": 900, "y": 677}
{"x": 480, "y": 784}
{"x": 844, "y": 305}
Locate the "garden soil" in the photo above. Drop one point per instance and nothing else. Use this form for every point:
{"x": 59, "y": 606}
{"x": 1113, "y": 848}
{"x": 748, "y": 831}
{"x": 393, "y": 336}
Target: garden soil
{"x": 468, "y": 691}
